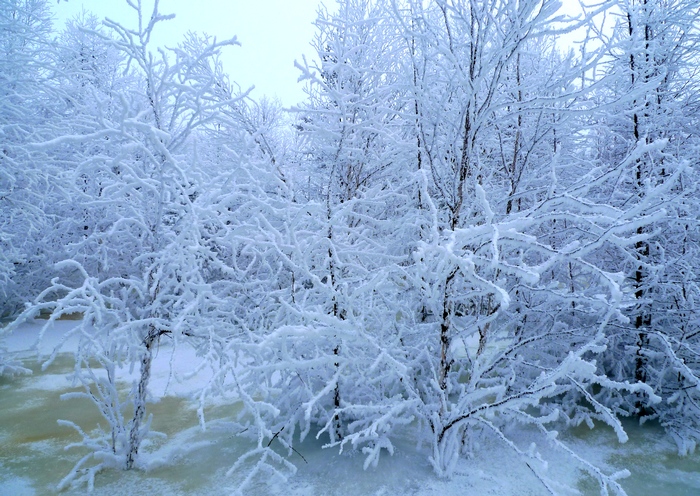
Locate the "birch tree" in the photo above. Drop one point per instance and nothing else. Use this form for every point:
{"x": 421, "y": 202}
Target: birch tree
{"x": 656, "y": 90}
{"x": 142, "y": 267}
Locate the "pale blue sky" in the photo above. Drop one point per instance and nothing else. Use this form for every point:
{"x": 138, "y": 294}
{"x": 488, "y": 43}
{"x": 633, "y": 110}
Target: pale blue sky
{"x": 273, "y": 33}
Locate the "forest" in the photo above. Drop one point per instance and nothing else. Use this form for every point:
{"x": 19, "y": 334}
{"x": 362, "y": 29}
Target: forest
{"x": 469, "y": 226}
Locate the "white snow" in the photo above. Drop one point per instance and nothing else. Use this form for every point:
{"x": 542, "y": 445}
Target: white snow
{"x": 193, "y": 462}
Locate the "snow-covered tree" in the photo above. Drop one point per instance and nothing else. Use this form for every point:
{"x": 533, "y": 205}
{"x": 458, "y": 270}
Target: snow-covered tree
{"x": 464, "y": 230}
{"x": 404, "y": 316}
{"x": 142, "y": 262}
{"x": 27, "y": 105}
{"x": 649, "y": 113}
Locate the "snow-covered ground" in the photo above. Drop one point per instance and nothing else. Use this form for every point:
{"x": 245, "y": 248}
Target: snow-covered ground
{"x": 189, "y": 461}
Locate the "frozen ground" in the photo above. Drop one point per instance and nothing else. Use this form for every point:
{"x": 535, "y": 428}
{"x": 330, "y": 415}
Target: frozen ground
{"x": 191, "y": 462}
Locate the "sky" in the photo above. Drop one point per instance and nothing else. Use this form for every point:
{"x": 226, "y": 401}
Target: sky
{"x": 273, "y": 34}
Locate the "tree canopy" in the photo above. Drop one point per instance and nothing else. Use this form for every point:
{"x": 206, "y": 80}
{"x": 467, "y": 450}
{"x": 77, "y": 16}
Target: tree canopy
{"x": 463, "y": 228}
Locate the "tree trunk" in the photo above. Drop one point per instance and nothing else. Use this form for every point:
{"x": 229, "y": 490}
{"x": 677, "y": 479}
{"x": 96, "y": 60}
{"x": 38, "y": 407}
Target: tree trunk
{"x": 136, "y": 434}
